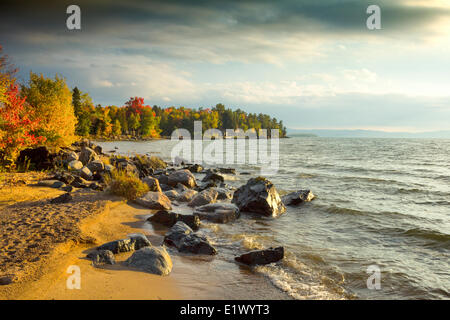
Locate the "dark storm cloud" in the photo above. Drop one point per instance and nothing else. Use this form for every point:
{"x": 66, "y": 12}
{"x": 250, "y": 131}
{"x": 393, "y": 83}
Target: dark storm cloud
{"x": 328, "y": 15}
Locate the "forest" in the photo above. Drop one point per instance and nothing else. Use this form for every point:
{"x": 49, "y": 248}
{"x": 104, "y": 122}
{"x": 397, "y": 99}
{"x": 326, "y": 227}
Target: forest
{"x": 45, "y": 111}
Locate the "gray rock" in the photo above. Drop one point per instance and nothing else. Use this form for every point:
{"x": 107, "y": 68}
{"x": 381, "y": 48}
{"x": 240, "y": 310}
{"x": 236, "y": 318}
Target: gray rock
{"x": 48, "y": 183}
{"x": 96, "y": 166}
{"x": 85, "y": 173}
{"x": 176, "y": 234}
{"x": 260, "y": 196}
{"x": 171, "y": 194}
{"x": 260, "y": 257}
{"x": 205, "y": 197}
{"x": 184, "y": 177}
{"x": 224, "y": 194}
{"x": 70, "y": 156}
{"x": 212, "y": 176}
{"x": 297, "y": 197}
{"x": 87, "y": 155}
{"x": 99, "y": 257}
{"x": 133, "y": 242}
{"x": 170, "y": 218}
{"x": 155, "y": 201}
{"x": 218, "y": 212}
{"x": 75, "y": 165}
{"x": 67, "y": 188}
{"x": 64, "y": 198}
{"x": 109, "y": 168}
{"x": 187, "y": 195}
{"x": 152, "y": 260}
{"x": 196, "y": 244}
{"x": 195, "y": 168}
{"x": 152, "y": 183}
{"x": 184, "y": 239}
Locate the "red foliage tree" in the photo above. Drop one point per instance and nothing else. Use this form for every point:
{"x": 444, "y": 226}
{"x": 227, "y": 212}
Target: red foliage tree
{"x": 135, "y": 105}
{"x": 16, "y": 125}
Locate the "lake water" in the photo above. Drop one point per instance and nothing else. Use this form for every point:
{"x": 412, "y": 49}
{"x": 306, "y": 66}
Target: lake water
{"x": 383, "y": 202}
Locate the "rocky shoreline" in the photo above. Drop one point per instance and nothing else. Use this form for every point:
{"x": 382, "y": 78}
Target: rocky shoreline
{"x": 84, "y": 166}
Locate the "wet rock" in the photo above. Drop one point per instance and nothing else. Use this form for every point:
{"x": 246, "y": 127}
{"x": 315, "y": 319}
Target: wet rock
{"x": 218, "y": 212}
{"x": 224, "y": 194}
{"x": 204, "y": 197}
{"x": 155, "y": 201}
{"x": 170, "y": 218}
{"x": 152, "y": 260}
{"x": 212, "y": 176}
{"x": 260, "y": 257}
{"x": 133, "y": 242}
{"x": 152, "y": 183}
{"x": 187, "y": 195}
{"x": 171, "y": 194}
{"x": 165, "y": 218}
{"x": 184, "y": 177}
{"x": 64, "y": 198}
{"x": 260, "y": 196}
{"x": 297, "y": 197}
{"x": 100, "y": 257}
{"x": 96, "y": 166}
{"x": 184, "y": 239}
{"x": 195, "y": 168}
{"x": 87, "y": 155}
{"x": 197, "y": 244}
{"x": 75, "y": 165}
{"x": 227, "y": 170}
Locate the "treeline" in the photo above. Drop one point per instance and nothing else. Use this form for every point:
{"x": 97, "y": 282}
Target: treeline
{"x": 45, "y": 111}
{"x": 135, "y": 119}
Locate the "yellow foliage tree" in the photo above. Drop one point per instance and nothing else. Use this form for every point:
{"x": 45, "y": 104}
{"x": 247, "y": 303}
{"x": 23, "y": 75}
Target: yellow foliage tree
{"x": 52, "y": 102}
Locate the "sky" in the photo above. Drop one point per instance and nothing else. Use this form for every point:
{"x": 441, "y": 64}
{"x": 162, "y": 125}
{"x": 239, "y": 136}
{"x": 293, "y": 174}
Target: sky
{"x": 312, "y": 64}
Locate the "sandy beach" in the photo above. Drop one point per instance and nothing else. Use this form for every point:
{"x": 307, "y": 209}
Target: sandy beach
{"x": 38, "y": 265}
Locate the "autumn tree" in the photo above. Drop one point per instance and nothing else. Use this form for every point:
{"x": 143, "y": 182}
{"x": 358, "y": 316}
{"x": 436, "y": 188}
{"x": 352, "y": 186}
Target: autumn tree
{"x": 18, "y": 122}
{"x": 51, "y": 101}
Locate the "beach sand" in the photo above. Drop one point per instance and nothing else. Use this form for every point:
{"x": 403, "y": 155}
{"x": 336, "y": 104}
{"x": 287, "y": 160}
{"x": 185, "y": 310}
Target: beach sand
{"x": 39, "y": 241}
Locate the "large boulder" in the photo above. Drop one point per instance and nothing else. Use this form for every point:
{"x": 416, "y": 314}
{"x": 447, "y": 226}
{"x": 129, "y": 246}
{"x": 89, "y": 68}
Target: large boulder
{"x": 100, "y": 257}
{"x": 87, "y": 155}
{"x": 260, "y": 196}
{"x": 154, "y": 201}
{"x": 96, "y": 166}
{"x": 187, "y": 195}
{"x": 152, "y": 260}
{"x": 259, "y": 257}
{"x": 133, "y": 242}
{"x": 297, "y": 197}
{"x": 184, "y": 239}
{"x": 168, "y": 219}
{"x": 152, "y": 183}
{"x": 184, "y": 177}
{"x": 205, "y": 197}
{"x": 218, "y": 212}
